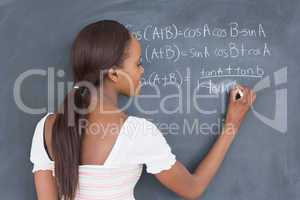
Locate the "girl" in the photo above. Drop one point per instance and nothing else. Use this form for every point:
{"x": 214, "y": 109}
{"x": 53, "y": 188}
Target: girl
{"x": 74, "y": 160}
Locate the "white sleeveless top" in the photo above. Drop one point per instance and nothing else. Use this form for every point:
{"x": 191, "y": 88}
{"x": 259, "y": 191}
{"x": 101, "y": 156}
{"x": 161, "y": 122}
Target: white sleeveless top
{"x": 139, "y": 142}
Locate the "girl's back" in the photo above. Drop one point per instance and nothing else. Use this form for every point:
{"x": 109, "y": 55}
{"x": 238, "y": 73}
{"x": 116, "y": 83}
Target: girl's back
{"x": 110, "y": 167}
{"x": 101, "y": 133}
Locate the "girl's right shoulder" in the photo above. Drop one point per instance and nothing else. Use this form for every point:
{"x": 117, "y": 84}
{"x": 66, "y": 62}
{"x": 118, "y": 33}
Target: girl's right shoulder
{"x": 139, "y": 125}
{"x": 149, "y": 145}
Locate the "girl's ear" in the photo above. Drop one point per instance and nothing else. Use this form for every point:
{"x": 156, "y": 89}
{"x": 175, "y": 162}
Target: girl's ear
{"x": 112, "y": 75}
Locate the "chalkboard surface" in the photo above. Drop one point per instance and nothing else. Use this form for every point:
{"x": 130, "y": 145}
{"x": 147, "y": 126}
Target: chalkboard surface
{"x": 192, "y": 51}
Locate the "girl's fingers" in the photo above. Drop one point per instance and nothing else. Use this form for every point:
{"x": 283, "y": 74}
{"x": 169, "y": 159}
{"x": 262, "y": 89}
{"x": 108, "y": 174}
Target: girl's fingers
{"x": 242, "y": 90}
{"x": 249, "y": 96}
{"x": 233, "y": 93}
{"x": 243, "y": 94}
{"x": 236, "y": 93}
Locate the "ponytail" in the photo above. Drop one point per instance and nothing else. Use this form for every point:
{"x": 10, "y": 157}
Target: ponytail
{"x": 66, "y": 141}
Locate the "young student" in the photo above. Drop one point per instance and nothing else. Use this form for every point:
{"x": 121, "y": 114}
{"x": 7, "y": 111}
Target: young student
{"x": 75, "y": 160}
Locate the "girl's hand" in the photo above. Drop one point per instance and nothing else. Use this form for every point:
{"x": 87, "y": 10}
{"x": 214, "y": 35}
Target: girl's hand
{"x": 239, "y": 105}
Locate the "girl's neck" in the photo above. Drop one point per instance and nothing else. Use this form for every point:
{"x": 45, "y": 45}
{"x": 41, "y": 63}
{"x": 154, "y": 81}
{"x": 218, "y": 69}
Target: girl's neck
{"x": 106, "y": 99}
